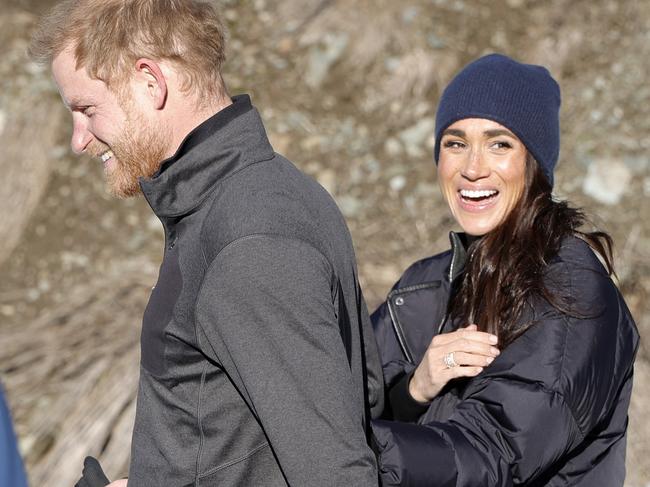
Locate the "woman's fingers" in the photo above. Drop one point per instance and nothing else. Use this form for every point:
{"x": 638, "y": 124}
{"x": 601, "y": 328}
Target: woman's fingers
{"x": 471, "y": 346}
{"x": 465, "y": 371}
{"x": 464, "y": 334}
{"x": 464, "y": 359}
{"x": 462, "y": 353}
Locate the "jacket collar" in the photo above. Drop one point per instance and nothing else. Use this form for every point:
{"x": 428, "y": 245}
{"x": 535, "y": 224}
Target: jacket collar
{"x": 228, "y": 141}
{"x": 460, "y": 243}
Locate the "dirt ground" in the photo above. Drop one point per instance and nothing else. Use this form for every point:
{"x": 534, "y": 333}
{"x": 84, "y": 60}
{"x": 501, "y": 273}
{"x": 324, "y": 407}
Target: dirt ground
{"x": 348, "y": 91}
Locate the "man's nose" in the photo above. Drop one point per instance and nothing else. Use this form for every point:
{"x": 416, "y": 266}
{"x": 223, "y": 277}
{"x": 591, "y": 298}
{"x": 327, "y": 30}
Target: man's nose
{"x": 81, "y": 136}
{"x": 475, "y": 165}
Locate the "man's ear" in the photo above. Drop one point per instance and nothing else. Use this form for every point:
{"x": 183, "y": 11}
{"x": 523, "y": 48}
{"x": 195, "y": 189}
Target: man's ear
{"x": 152, "y": 79}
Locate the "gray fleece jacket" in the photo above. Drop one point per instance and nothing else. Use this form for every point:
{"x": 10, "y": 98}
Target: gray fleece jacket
{"x": 259, "y": 367}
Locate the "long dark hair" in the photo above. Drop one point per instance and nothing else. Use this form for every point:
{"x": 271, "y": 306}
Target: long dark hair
{"x": 505, "y": 268}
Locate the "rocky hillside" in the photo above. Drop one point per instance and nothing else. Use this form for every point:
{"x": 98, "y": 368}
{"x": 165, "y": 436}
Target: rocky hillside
{"x": 348, "y": 90}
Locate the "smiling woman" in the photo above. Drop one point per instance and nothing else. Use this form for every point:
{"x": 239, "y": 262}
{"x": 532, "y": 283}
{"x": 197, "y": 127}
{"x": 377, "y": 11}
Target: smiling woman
{"x": 549, "y": 405}
{"x": 481, "y": 172}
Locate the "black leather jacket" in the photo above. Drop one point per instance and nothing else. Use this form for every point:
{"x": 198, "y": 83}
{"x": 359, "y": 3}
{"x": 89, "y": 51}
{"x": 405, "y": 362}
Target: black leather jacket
{"x": 550, "y": 410}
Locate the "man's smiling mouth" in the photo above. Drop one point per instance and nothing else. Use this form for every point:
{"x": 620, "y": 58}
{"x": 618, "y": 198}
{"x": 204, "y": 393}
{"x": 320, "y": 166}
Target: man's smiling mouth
{"x": 106, "y": 156}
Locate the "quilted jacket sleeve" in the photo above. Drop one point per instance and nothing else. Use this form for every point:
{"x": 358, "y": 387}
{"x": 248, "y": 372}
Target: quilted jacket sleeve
{"x": 513, "y": 442}
{"x": 506, "y": 433}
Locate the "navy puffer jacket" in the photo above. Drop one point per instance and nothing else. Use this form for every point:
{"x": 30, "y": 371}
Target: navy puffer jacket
{"x": 550, "y": 410}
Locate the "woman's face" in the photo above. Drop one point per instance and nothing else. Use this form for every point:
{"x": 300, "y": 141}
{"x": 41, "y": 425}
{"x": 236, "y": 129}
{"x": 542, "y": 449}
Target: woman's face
{"x": 481, "y": 172}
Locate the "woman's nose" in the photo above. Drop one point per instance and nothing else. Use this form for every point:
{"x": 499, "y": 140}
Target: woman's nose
{"x": 475, "y": 166}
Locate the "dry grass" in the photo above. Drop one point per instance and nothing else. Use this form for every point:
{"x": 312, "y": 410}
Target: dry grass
{"x": 70, "y": 363}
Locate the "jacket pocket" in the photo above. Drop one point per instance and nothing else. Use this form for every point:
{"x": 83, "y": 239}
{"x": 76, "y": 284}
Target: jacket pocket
{"x": 258, "y": 467}
{"x": 416, "y": 312}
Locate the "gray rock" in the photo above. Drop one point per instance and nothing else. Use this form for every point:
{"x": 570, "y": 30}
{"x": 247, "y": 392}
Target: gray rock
{"x": 154, "y": 225}
{"x": 372, "y": 165}
{"x": 427, "y": 190}
{"x": 58, "y": 151}
{"x": 435, "y": 42}
{"x": 392, "y": 63}
{"x": 397, "y": 183}
{"x": 646, "y": 187}
{"x": 349, "y": 205}
{"x": 327, "y": 179}
{"x": 638, "y": 164}
{"x": 410, "y": 14}
{"x": 607, "y": 180}
{"x": 322, "y": 57}
{"x": 392, "y": 146}
{"x": 277, "y": 62}
{"x": 414, "y": 137}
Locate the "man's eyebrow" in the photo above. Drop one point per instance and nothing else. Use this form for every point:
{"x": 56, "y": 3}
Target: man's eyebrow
{"x": 76, "y": 103}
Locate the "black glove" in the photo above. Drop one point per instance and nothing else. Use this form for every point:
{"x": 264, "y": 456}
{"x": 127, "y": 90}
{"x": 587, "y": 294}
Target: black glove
{"x": 92, "y": 475}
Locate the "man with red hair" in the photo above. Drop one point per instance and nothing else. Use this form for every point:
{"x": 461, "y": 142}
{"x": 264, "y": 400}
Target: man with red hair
{"x": 256, "y": 344}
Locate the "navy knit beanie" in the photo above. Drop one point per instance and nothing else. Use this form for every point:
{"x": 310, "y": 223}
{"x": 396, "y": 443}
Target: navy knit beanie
{"x": 522, "y": 97}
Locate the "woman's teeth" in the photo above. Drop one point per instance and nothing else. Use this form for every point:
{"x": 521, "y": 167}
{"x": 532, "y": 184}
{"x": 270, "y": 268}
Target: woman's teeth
{"x": 474, "y": 194}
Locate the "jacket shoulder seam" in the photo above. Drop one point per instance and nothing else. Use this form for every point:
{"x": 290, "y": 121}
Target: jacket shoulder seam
{"x": 271, "y": 235}
{"x": 251, "y": 236}
{"x": 414, "y": 287}
{"x": 423, "y": 263}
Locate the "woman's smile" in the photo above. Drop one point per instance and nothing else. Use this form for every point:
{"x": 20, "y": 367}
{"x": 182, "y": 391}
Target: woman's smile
{"x": 477, "y": 200}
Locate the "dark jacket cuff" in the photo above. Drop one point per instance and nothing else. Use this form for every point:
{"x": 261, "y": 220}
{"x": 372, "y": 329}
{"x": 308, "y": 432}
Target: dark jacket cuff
{"x": 413, "y": 455}
{"x": 404, "y": 407}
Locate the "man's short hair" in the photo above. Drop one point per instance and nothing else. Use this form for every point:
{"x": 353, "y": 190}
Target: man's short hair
{"x": 108, "y": 36}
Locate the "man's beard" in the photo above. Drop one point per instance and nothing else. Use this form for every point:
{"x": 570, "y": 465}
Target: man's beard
{"x": 137, "y": 153}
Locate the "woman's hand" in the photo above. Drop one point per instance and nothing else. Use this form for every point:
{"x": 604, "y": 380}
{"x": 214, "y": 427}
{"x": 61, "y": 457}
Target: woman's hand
{"x": 462, "y": 353}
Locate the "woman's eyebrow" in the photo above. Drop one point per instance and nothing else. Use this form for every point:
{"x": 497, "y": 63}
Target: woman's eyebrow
{"x": 498, "y": 132}
{"x": 456, "y": 132}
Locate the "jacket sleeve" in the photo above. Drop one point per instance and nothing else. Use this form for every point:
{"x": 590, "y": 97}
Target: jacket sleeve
{"x": 11, "y": 466}
{"x": 516, "y": 422}
{"x": 374, "y": 371}
{"x": 506, "y": 434}
{"x": 266, "y": 310}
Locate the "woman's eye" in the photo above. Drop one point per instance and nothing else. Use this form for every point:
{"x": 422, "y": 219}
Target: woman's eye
{"x": 502, "y": 145}
{"x": 454, "y": 144}
{"x": 88, "y": 111}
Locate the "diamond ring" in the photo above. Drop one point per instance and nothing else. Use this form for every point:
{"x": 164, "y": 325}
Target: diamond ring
{"x": 449, "y": 361}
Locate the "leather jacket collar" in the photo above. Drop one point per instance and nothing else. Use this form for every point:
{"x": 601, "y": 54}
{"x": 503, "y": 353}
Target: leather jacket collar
{"x": 460, "y": 243}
